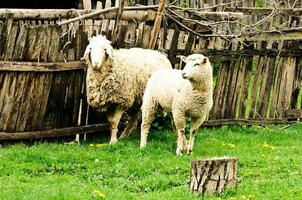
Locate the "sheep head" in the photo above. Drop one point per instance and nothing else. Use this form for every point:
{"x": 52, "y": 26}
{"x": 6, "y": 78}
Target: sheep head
{"x": 98, "y": 51}
{"x": 197, "y": 67}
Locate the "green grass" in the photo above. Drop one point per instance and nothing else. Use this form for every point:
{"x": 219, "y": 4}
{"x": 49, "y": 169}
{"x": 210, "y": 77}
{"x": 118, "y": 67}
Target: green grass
{"x": 270, "y": 166}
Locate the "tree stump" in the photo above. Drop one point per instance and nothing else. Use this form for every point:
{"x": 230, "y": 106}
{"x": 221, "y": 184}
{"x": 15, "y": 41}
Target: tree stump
{"x": 213, "y": 175}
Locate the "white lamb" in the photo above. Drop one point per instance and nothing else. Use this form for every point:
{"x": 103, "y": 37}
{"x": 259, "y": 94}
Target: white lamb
{"x": 184, "y": 93}
{"x": 116, "y": 80}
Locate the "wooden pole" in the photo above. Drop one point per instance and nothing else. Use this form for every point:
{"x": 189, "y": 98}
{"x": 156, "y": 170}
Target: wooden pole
{"x": 54, "y": 132}
{"x": 117, "y": 22}
{"x": 213, "y": 175}
{"x": 157, "y": 24}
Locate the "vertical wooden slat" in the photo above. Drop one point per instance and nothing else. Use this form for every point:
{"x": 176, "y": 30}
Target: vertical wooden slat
{"x": 217, "y": 91}
{"x": 7, "y": 100}
{"x": 5, "y": 34}
{"x": 256, "y": 80}
{"x": 44, "y": 100}
{"x": 45, "y": 42}
{"x": 265, "y": 91}
{"x": 11, "y": 41}
{"x": 20, "y": 43}
{"x": 20, "y": 85}
{"x": 245, "y": 87}
{"x": 25, "y": 103}
{"x": 146, "y": 36}
{"x": 30, "y": 43}
{"x": 238, "y": 87}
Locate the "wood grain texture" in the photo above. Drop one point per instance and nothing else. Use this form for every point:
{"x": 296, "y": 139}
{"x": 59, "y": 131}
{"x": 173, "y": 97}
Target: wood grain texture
{"x": 213, "y": 175}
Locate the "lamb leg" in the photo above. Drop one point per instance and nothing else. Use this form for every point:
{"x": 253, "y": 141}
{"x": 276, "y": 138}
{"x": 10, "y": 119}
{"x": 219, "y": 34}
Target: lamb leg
{"x": 130, "y": 126}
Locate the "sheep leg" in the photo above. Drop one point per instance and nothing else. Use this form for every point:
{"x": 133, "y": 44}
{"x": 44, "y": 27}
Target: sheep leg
{"x": 130, "y": 126}
{"x": 114, "y": 119}
{"x": 196, "y": 122}
{"x": 180, "y": 123}
{"x": 147, "y": 118}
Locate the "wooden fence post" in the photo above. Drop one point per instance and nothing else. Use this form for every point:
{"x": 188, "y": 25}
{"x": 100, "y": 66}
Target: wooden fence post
{"x": 157, "y": 23}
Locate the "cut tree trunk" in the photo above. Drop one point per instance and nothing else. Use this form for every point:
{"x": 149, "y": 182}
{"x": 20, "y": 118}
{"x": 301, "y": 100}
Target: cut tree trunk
{"x": 213, "y": 175}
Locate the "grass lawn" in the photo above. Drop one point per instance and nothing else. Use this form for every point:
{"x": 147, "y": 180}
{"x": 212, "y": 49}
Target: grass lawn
{"x": 270, "y": 166}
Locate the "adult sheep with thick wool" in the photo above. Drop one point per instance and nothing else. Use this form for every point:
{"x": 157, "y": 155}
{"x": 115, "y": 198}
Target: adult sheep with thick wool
{"x": 185, "y": 93}
{"x": 116, "y": 80}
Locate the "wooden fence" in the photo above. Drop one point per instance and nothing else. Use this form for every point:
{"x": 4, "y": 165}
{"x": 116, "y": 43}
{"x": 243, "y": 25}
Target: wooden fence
{"x": 256, "y": 81}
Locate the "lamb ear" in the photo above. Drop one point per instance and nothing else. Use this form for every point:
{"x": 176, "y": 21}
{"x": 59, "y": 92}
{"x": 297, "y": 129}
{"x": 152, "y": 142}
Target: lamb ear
{"x": 183, "y": 58}
{"x": 86, "y": 54}
{"x": 205, "y": 60}
{"x": 109, "y": 51}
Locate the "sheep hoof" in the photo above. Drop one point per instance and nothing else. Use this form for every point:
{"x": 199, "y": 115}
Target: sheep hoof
{"x": 190, "y": 152}
{"x": 113, "y": 142}
{"x": 142, "y": 146}
{"x": 73, "y": 142}
{"x": 178, "y": 152}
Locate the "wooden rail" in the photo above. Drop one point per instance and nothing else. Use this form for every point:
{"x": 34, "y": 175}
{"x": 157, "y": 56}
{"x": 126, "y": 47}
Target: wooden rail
{"x": 58, "y": 132}
{"x": 264, "y": 11}
{"x": 41, "y": 67}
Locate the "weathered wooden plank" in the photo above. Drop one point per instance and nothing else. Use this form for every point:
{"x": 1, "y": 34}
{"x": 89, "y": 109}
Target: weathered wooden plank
{"x": 25, "y": 103}
{"x": 37, "y": 85}
{"x": 5, "y": 33}
{"x": 139, "y": 35}
{"x": 276, "y": 87}
{"x": 54, "y": 132}
{"x": 130, "y": 37}
{"x": 256, "y": 80}
{"x": 45, "y": 41}
{"x": 264, "y": 11}
{"x": 157, "y": 23}
{"x": 297, "y": 82}
{"x": 188, "y": 48}
{"x": 265, "y": 91}
{"x": 38, "y": 44}
{"x": 41, "y": 67}
{"x": 44, "y": 100}
{"x": 224, "y": 90}
{"x": 11, "y": 41}
{"x": 120, "y": 43}
{"x": 146, "y": 36}
{"x": 8, "y": 101}
{"x": 54, "y": 54}
{"x": 54, "y": 99}
{"x": 20, "y": 43}
{"x": 290, "y": 51}
{"x": 19, "y": 89}
{"x": 244, "y": 93}
{"x": 235, "y": 66}
{"x": 238, "y": 87}
{"x": 173, "y": 47}
{"x": 75, "y": 96}
{"x": 81, "y": 42}
{"x": 4, "y": 79}
{"x": 30, "y": 43}
{"x": 288, "y": 82}
{"x": 216, "y": 94}
{"x": 241, "y": 122}
{"x": 62, "y": 89}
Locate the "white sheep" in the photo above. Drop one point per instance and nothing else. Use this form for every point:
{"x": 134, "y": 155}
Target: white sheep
{"x": 116, "y": 80}
{"x": 184, "y": 93}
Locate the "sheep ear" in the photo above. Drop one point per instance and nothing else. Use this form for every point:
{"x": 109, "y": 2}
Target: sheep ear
{"x": 183, "y": 58}
{"x": 205, "y": 60}
{"x": 109, "y": 51}
{"x": 86, "y": 54}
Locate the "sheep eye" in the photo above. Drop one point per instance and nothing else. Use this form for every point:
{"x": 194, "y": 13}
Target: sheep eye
{"x": 195, "y": 64}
